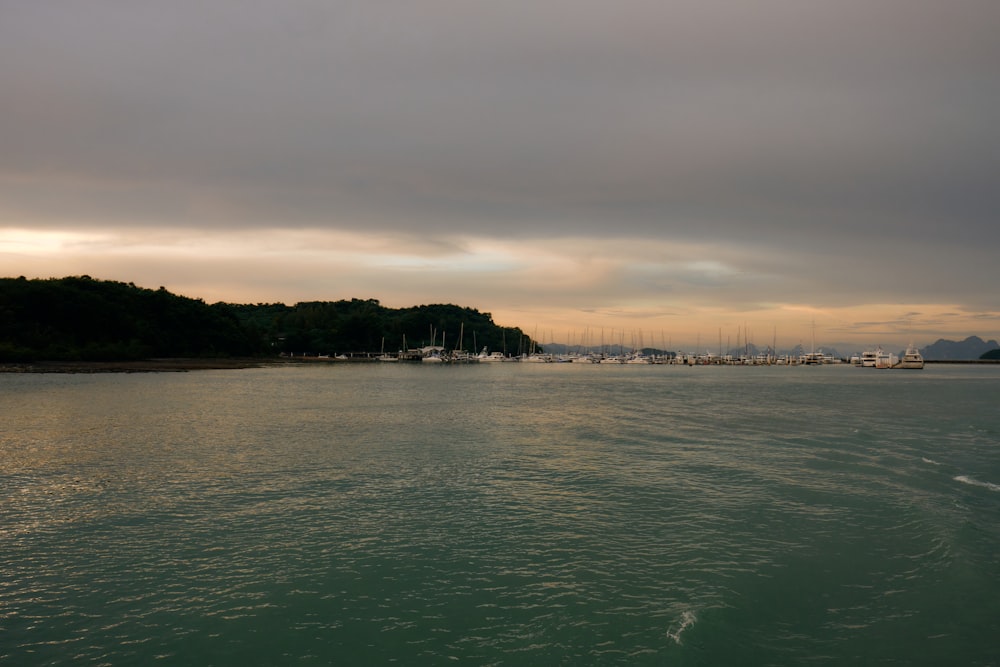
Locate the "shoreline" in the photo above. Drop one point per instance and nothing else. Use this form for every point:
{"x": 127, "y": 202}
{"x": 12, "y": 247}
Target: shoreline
{"x": 178, "y": 365}
{"x": 184, "y": 365}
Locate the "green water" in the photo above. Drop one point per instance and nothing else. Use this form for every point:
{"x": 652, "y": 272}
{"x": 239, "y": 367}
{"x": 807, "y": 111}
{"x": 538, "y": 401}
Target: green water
{"x": 501, "y": 514}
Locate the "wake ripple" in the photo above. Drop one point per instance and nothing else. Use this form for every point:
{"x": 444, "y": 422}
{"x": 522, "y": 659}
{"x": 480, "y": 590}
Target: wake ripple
{"x": 965, "y": 479}
{"x": 687, "y": 620}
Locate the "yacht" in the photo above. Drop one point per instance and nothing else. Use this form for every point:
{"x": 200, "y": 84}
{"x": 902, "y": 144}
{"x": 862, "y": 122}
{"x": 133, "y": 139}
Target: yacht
{"x": 812, "y": 358}
{"x": 869, "y": 358}
{"x": 886, "y": 360}
{"x": 911, "y": 359}
{"x": 490, "y": 357}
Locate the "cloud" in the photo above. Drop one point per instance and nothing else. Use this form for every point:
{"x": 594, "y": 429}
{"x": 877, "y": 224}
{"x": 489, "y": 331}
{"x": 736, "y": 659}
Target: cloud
{"x": 674, "y": 157}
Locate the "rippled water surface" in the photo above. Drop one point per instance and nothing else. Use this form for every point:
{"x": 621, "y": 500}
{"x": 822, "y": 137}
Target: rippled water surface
{"x": 501, "y": 514}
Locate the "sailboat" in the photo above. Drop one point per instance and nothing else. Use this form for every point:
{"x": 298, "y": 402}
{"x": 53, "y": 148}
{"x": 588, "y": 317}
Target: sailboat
{"x": 383, "y": 356}
{"x": 432, "y": 354}
{"x": 459, "y": 355}
{"x": 813, "y": 357}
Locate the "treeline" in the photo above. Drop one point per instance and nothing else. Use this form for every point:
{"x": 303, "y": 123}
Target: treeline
{"x": 365, "y": 326}
{"x": 80, "y": 318}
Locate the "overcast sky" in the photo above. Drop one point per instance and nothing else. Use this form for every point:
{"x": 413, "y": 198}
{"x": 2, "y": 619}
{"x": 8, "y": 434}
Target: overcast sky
{"x": 678, "y": 168}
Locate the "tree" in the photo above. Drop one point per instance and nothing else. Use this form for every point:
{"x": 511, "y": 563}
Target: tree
{"x": 82, "y": 318}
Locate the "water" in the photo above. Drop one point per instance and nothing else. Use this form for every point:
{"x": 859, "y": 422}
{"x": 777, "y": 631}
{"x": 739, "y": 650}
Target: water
{"x": 501, "y": 514}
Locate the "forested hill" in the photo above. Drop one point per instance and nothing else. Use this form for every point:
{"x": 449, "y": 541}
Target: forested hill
{"x": 80, "y": 318}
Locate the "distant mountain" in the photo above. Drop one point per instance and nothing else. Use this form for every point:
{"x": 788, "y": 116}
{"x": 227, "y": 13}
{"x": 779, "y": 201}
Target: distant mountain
{"x": 972, "y": 347}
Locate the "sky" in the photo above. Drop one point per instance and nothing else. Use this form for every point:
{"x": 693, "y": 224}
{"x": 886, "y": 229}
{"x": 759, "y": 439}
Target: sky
{"x": 803, "y": 172}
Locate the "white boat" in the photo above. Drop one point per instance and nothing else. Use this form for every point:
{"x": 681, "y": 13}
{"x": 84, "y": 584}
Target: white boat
{"x": 490, "y": 357}
{"x": 432, "y": 354}
{"x": 812, "y": 358}
{"x": 886, "y": 360}
{"x": 869, "y": 358}
{"x": 386, "y": 357}
{"x": 911, "y": 359}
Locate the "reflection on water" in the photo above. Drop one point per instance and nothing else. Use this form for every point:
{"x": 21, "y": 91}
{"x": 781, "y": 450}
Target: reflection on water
{"x": 500, "y": 514}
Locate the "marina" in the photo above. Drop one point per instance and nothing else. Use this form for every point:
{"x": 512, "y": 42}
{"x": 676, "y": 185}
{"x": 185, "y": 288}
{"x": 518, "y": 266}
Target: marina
{"x": 439, "y": 355}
